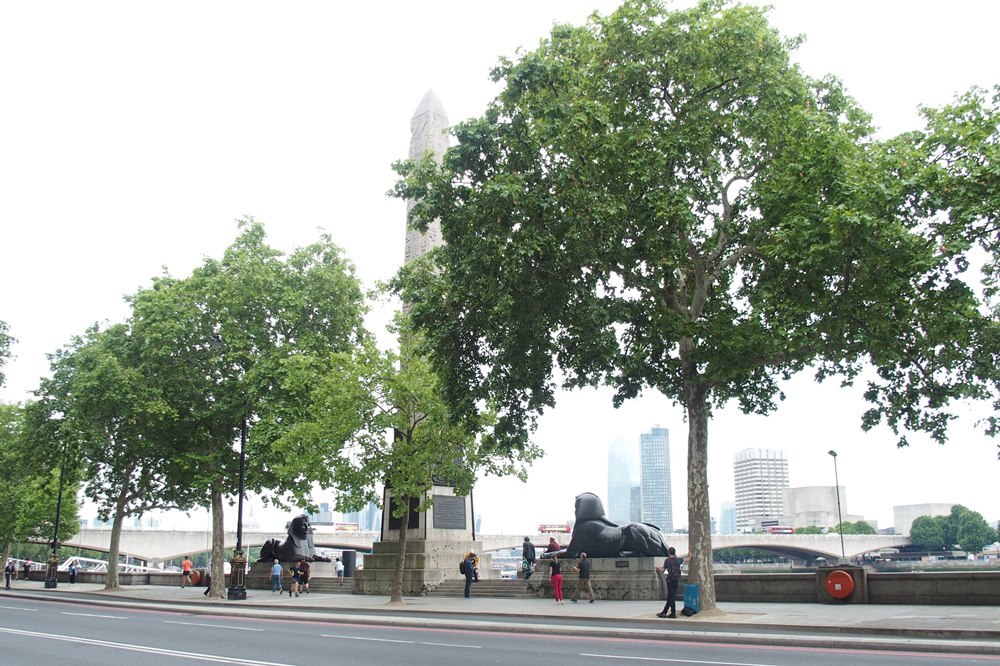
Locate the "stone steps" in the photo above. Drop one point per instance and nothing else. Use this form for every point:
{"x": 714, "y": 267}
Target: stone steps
{"x": 493, "y": 587}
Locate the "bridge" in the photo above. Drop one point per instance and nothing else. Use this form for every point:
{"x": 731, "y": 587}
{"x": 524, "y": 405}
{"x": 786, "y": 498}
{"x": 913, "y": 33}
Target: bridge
{"x": 159, "y": 545}
{"x": 154, "y": 546}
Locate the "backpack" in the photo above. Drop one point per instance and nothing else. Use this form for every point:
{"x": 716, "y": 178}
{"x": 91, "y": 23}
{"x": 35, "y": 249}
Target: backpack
{"x": 461, "y": 567}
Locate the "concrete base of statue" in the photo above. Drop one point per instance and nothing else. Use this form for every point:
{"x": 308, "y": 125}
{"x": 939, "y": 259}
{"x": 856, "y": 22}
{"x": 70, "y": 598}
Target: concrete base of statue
{"x": 436, "y": 541}
{"x": 615, "y": 578}
{"x": 426, "y": 565}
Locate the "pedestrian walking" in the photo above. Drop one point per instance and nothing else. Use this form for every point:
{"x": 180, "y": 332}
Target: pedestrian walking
{"x": 72, "y": 574}
{"x": 9, "y": 572}
{"x": 276, "y": 577}
{"x": 469, "y": 571}
{"x": 672, "y": 568}
{"x": 294, "y": 588}
{"x": 27, "y": 569}
{"x": 208, "y": 582}
{"x": 583, "y": 582}
{"x": 339, "y": 566}
{"x": 186, "y": 567}
{"x": 528, "y": 557}
{"x": 556, "y": 578}
{"x": 304, "y": 573}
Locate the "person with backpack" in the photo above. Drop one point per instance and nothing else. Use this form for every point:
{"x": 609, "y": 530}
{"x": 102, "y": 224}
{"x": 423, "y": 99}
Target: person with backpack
{"x": 468, "y": 568}
{"x": 672, "y": 568}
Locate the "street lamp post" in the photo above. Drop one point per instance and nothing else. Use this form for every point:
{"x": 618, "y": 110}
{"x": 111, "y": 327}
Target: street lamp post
{"x": 840, "y": 517}
{"x": 52, "y": 565}
{"x": 238, "y": 568}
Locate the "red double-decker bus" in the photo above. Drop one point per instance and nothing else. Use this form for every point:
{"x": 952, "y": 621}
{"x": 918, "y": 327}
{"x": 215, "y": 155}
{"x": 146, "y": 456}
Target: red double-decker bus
{"x": 554, "y": 528}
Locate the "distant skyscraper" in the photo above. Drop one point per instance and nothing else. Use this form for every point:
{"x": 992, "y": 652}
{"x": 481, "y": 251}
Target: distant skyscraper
{"x": 654, "y": 452}
{"x": 623, "y": 479}
{"x": 728, "y": 523}
{"x": 761, "y": 479}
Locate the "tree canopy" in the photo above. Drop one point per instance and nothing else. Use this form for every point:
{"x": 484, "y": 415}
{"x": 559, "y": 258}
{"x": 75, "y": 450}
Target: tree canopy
{"x": 661, "y": 200}
{"x": 378, "y": 419}
{"x": 118, "y": 424}
{"x": 29, "y": 479}
{"x": 214, "y": 344}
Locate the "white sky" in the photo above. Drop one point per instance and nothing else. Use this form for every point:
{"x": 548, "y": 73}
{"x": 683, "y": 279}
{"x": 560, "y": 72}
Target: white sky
{"x": 132, "y": 134}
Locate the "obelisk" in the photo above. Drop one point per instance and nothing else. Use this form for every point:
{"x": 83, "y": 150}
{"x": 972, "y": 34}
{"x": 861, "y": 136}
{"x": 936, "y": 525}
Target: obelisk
{"x": 437, "y": 538}
{"x": 428, "y": 133}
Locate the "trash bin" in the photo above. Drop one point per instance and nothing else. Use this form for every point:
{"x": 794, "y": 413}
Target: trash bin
{"x": 692, "y": 596}
{"x": 349, "y": 558}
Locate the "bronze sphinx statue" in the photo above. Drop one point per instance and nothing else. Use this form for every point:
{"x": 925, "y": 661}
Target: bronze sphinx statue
{"x": 297, "y": 547}
{"x": 598, "y": 536}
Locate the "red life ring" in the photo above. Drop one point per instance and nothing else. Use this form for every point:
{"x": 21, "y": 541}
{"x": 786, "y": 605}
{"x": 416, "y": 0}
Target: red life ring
{"x": 839, "y": 584}
{"x": 195, "y": 577}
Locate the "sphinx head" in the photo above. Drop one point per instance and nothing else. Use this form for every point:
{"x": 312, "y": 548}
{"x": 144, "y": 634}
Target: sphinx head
{"x": 299, "y": 527}
{"x": 588, "y": 507}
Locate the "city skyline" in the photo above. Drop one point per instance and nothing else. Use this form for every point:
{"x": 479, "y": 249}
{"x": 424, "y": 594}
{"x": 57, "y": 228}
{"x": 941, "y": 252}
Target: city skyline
{"x": 124, "y": 154}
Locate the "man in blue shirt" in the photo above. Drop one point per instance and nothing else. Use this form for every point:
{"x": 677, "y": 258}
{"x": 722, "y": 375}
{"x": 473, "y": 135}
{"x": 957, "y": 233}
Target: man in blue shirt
{"x": 276, "y": 577}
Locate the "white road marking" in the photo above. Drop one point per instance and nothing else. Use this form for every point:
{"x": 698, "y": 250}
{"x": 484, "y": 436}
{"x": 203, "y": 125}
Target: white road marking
{"x": 212, "y": 626}
{"x": 18, "y": 608}
{"x": 676, "y": 661}
{"x": 107, "y": 617}
{"x": 142, "y": 648}
{"x": 473, "y": 647}
{"x": 362, "y": 638}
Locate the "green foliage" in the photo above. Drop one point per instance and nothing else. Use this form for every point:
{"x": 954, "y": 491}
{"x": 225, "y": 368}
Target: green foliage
{"x": 5, "y": 343}
{"x": 926, "y": 533}
{"x": 376, "y": 418}
{"x": 858, "y": 527}
{"x": 961, "y": 528}
{"x": 973, "y": 533}
{"x": 809, "y": 529}
{"x": 661, "y": 200}
{"x": 354, "y": 398}
{"x": 29, "y": 480}
{"x": 214, "y": 346}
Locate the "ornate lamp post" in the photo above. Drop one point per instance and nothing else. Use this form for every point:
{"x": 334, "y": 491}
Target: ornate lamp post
{"x": 52, "y": 565}
{"x": 840, "y": 518}
{"x": 238, "y": 567}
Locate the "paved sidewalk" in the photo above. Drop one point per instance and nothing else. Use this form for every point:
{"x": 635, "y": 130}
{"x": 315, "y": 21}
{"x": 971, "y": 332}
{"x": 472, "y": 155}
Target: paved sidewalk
{"x": 976, "y": 627}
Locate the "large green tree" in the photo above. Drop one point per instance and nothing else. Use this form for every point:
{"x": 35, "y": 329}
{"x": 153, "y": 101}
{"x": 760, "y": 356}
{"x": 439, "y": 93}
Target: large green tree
{"x": 214, "y": 345}
{"x": 120, "y": 426}
{"x": 661, "y": 200}
{"x": 385, "y": 416}
{"x": 926, "y": 533}
{"x": 973, "y": 533}
{"x": 31, "y": 464}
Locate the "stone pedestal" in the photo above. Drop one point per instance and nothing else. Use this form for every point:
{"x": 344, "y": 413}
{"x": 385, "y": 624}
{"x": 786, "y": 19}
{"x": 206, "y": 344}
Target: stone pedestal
{"x": 615, "y": 578}
{"x": 436, "y": 541}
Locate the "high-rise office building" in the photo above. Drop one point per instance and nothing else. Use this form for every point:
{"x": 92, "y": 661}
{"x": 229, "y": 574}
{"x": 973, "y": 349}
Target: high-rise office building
{"x": 624, "y": 500}
{"x": 654, "y": 454}
{"x": 761, "y": 479}
{"x": 728, "y": 523}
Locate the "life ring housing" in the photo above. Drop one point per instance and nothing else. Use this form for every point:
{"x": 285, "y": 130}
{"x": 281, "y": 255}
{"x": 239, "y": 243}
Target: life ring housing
{"x": 839, "y": 584}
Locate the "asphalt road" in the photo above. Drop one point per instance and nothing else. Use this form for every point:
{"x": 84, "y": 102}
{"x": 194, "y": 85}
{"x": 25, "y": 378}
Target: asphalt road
{"x": 68, "y": 632}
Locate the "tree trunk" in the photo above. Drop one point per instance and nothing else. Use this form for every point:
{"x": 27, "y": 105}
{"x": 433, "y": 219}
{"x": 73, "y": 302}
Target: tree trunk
{"x": 218, "y": 587}
{"x": 396, "y": 595}
{"x": 699, "y": 508}
{"x": 111, "y": 582}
